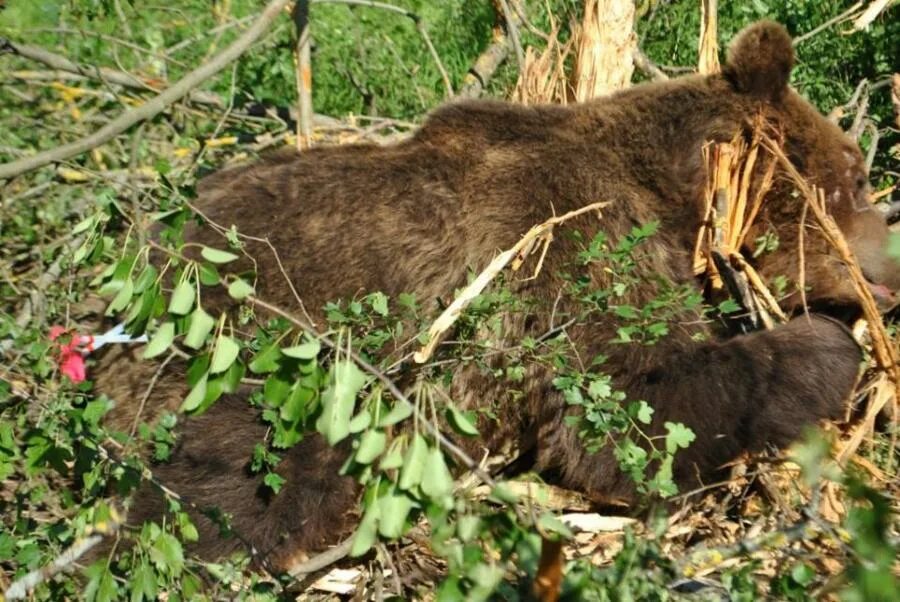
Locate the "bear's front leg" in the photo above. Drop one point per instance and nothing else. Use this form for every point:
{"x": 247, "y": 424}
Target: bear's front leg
{"x": 739, "y": 395}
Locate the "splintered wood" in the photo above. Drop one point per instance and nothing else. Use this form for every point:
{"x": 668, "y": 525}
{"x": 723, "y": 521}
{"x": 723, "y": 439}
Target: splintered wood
{"x": 543, "y": 77}
{"x": 516, "y": 255}
{"x": 737, "y": 182}
{"x": 709, "y": 42}
{"x": 885, "y": 386}
{"x": 606, "y": 47}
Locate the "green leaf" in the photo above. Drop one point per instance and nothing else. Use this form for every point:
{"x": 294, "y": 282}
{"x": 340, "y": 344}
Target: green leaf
{"x": 728, "y": 306}
{"x": 143, "y": 583}
{"x": 379, "y": 303}
{"x": 183, "y": 297}
{"x": 274, "y": 481}
{"x": 413, "y": 463}
{"x": 501, "y": 492}
{"x": 239, "y": 289}
{"x": 120, "y": 301}
{"x": 209, "y": 275}
{"x": 107, "y": 590}
{"x": 626, "y": 311}
{"x": 371, "y": 444}
{"x": 167, "y": 554}
{"x": 339, "y": 399}
{"x": 462, "y": 422}
{"x": 276, "y": 389}
{"x": 552, "y": 524}
{"x": 266, "y": 360}
{"x": 84, "y": 224}
{"x": 145, "y": 278}
{"x": 186, "y": 528}
{"x": 161, "y": 341}
{"x": 643, "y": 412}
{"x": 231, "y": 380}
{"x": 201, "y": 325}
{"x": 803, "y": 573}
{"x": 437, "y": 481}
{"x": 217, "y": 255}
{"x": 225, "y": 353}
{"x": 677, "y": 435}
{"x": 196, "y": 395}
{"x": 361, "y": 421}
{"x": 293, "y": 407}
{"x": 366, "y": 532}
{"x": 393, "y": 509}
{"x": 400, "y": 411}
{"x": 394, "y": 457}
{"x": 304, "y": 351}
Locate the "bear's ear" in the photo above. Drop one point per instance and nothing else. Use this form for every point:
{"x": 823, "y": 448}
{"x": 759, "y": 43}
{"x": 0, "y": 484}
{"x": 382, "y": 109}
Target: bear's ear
{"x": 760, "y": 60}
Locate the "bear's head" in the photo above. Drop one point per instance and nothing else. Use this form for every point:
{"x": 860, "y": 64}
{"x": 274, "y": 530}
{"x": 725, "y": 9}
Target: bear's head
{"x": 759, "y": 65}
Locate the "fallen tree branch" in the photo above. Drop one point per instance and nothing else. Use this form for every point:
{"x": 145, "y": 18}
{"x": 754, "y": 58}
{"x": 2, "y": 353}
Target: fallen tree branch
{"x": 154, "y": 106}
{"x": 516, "y": 255}
{"x": 488, "y": 61}
{"x": 22, "y": 587}
{"x": 848, "y": 14}
{"x": 322, "y": 560}
{"x": 648, "y": 67}
{"x": 512, "y": 30}
{"x": 112, "y": 76}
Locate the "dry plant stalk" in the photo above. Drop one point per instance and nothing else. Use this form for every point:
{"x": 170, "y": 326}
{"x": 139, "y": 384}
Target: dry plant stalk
{"x": 732, "y": 168}
{"x": 606, "y": 45}
{"x": 542, "y": 233}
{"x": 709, "y": 37}
{"x": 886, "y": 387}
{"x": 870, "y": 14}
{"x": 543, "y": 76}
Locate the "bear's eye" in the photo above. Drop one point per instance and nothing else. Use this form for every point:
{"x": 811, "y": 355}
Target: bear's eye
{"x": 861, "y": 183}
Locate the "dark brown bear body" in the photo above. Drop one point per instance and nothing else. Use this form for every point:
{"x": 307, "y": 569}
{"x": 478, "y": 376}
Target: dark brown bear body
{"x": 417, "y": 216}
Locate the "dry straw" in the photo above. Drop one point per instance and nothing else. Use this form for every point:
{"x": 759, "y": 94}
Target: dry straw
{"x": 515, "y": 255}
{"x": 737, "y": 183}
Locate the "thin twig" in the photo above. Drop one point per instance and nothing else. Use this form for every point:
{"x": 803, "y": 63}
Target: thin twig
{"x": 512, "y": 28}
{"x": 155, "y": 105}
{"x": 648, "y": 67}
{"x": 844, "y": 16}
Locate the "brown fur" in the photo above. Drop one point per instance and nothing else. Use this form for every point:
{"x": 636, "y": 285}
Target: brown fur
{"x": 418, "y": 215}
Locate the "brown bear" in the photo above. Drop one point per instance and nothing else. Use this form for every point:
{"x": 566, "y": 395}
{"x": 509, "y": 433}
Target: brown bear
{"x": 421, "y": 215}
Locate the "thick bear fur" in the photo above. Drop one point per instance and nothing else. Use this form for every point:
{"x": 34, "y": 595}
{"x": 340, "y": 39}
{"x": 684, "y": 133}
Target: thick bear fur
{"x": 419, "y": 216}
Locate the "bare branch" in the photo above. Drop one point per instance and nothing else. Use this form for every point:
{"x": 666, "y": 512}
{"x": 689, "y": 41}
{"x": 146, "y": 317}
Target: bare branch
{"x": 648, "y": 67}
{"x": 155, "y": 105}
{"x": 112, "y": 76}
{"x": 844, "y": 16}
{"x": 512, "y": 29}
{"x": 489, "y": 60}
{"x": 22, "y": 587}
